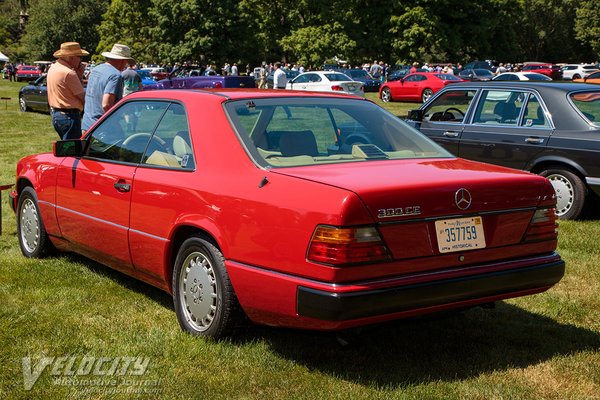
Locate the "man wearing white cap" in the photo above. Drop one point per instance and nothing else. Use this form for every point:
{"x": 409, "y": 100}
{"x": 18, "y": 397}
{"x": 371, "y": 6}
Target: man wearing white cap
{"x": 105, "y": 84}
{"x": 65, "y": 90}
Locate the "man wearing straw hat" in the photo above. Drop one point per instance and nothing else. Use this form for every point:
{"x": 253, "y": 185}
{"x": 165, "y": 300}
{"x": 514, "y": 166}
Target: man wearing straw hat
{"x": 105, "y": 84}
{"x": 65, "y": 90}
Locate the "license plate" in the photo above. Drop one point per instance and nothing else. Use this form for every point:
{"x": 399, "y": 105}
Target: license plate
{"x": 461, "y": 234}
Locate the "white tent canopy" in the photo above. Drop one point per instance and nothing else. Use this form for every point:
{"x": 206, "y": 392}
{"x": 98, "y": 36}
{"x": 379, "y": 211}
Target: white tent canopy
{"x": 3, "y": 57}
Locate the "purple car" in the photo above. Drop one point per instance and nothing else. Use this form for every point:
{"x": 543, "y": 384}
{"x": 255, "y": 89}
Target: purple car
{"x": 203, "y": 82}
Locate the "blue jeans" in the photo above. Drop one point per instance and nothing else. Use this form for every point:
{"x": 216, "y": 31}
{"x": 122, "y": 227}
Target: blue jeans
{"x": 67, "y": 124}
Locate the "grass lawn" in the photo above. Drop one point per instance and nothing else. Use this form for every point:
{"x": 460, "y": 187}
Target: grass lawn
{"x": 545, "y": 346}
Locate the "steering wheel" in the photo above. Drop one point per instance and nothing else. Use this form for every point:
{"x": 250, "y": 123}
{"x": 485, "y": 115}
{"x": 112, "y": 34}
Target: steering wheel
{"x": 138, "y": 140}
{"x": 447, "y": 111}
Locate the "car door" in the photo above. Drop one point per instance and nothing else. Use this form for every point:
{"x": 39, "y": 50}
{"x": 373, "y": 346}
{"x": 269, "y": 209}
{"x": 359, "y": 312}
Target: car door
{"x": 38, "y": 96}
{"x": 509, "y": 128}
{"x": 410, "y": 89}
{"x": 93, "y": 192}
{"x": 163, "y": 191}
{"x": 303, "y": 82}
{"x": 444, "y": 117}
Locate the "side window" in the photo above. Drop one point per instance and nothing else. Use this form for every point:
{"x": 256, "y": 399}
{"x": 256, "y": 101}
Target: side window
{"x": 451, "y": 106}
{"x": 302, "y": 79}
{"x": 171, "y": 145}
{"x": 499, "y": 107}
{"x": 412, "y": 78}
{"x": 124, "y": 135}
{"x": 533, "y": 114}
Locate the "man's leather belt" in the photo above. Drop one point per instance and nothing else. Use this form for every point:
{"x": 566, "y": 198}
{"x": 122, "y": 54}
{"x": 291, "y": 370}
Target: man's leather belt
{"x": 67, "y": 110}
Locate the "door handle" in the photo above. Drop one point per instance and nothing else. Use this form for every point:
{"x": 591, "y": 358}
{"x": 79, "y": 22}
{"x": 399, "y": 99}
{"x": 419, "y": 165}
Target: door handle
{"x": 450, "y": 134}
{"x": 122, "y": 187}
{"x": 534, "y": 140}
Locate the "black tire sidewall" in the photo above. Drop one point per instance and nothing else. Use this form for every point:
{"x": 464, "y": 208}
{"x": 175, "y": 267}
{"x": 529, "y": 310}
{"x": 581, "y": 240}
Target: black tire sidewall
{"x": 44, "y": 242}
{"x": 226, "y": 299}
{"x": 579, "y": 191}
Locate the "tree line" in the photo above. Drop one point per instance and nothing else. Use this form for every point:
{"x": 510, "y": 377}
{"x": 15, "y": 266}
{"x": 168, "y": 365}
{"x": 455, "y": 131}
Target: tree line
{"x": 310, "y": 32}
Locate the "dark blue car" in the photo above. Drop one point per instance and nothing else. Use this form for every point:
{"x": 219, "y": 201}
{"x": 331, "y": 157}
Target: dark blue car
{"x": 370, "y": 84}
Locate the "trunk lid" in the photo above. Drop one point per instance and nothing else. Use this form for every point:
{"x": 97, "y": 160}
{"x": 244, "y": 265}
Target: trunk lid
{"x": 413, "y": 201}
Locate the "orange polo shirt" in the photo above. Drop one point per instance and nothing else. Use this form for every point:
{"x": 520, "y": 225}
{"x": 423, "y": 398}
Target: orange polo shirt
{"x": 64, "y": 86}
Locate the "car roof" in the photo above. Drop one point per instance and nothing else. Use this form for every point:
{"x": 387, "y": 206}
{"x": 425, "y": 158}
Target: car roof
{"x": 235, "y": 94}
{"x": 544, "y": 85}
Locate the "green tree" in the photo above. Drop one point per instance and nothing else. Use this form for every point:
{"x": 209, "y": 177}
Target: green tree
{"x": 52, "y": 22}
{"x": 312, "y": 45}
{"x": 127, "y": 22}
{"x": 587, "y": 26}
{"x": 197, "y": 30}
{"x": 10, "y": 31}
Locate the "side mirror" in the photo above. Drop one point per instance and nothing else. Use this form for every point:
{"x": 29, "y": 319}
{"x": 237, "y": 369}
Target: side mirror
{"x": 416, "y": 115}
{"x": 69, "y": 148}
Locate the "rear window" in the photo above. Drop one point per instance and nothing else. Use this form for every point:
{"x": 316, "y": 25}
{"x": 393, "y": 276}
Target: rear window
{"x": 337, "y": 77}
{"x": 289, "y": 132}
{"x": 588, "y": 104}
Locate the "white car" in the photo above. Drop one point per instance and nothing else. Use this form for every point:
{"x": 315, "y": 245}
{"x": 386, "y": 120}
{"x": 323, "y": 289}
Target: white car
{"x": 326, "y": 81}
{"x": 521, "y": 76}
{"x": 576, "y": 71}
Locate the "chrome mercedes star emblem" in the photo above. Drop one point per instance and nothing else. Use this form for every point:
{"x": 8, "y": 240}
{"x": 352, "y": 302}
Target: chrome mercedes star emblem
{"x": 462, "y": 198}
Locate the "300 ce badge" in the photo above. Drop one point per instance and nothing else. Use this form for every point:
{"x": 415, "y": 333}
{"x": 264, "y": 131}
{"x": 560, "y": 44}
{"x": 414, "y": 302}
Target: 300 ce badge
{"x": 398, "y": 212}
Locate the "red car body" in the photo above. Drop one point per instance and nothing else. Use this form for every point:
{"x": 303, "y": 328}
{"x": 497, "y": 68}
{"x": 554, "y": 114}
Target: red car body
{"x": 27, "y": 73}
{"x": 321, "y": 241}
{"x": 418, "y": 86}
{"x": 550, "y": 70}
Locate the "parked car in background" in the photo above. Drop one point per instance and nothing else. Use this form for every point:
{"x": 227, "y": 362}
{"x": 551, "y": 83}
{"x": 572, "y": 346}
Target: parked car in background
{"x": 202, "y": 82}
{"x": 578, "y": 71}
{"x": 419, "y": 86}
{"x": 594, "y": 77}
{"x": 521, "y": 76}
{"x": 34, "y": 96}
{"x": 289, "y": 74}
{"x": 477, "y": 74}
{"x": 370, "y": 84}
{"x": 206, "y": 199}
{"x": 27, "y": 73}
{"x": 326, "y": 81}
{"x": 549, "y": 128}
{"x": 477, "y": 64}
{"x": 550, "y": 70}
{"x": 146, "y": 77}
{"x": 158, "y": 73}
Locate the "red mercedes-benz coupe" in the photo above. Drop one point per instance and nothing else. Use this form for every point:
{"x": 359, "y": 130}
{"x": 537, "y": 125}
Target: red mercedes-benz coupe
{"x": 297, "y": 209}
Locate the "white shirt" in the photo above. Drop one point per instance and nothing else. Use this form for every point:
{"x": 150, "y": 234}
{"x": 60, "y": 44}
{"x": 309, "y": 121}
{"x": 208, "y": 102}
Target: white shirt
{"x": 279, "y": 79}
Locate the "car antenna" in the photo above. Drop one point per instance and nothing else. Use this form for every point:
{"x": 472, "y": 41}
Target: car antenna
{"x": 263, "y": 182}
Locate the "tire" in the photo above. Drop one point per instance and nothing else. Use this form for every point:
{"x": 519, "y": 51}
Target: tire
{"x": 204, "y": 299}
{"x": 427, "y": 93}
{"x": 570, "y": 192}
{"x": 23, "y": 105}
{"x": 33, "y": 238}
{"x": 386, "y": 95}
{"x": 576, "y": 76}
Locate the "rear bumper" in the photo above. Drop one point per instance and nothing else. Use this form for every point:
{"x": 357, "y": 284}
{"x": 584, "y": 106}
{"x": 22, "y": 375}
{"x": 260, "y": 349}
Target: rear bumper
{"x": 274, "y": 298}
{"x": 329, "y": 306}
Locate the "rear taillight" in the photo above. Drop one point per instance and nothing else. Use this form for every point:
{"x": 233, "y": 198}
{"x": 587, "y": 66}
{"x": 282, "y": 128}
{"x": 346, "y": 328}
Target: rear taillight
{"x": 342, "y": 246}
{"x": 542, "y": 226}
{"x": 337, "y": 88}
{"x": 218, "y": 85}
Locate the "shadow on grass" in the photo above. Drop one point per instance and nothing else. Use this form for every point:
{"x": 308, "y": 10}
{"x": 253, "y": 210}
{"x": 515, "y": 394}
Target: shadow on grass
{"x": 153, "y": 293}
{"x": 445, "y": 348}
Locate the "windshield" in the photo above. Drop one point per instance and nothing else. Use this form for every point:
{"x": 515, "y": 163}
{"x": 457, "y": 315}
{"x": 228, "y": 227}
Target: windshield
{"x": 589, "y": 105}
{"x": 289, "y": 132}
